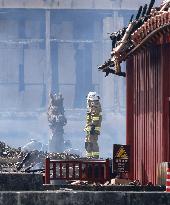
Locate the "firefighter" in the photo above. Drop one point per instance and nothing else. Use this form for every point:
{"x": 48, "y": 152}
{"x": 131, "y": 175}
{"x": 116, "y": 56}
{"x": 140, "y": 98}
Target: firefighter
{"x": 93, "y": 124}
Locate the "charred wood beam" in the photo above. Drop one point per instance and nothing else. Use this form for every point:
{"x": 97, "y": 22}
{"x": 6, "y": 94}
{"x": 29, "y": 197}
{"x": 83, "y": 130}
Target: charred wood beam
{"x": 34, "y": 170}
{"x": 106, "y": 65}
{"x": 144, "y": 10}
{"x": 139, "y": 13}
{"x": 108, "y": 71}
{"x": 150, "y": 7}
{"x": 26, "y": 158}
{"x": 131, "y": 18}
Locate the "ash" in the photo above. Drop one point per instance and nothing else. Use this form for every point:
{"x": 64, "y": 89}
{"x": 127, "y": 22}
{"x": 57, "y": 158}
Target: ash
{"x": 16, "y": 160}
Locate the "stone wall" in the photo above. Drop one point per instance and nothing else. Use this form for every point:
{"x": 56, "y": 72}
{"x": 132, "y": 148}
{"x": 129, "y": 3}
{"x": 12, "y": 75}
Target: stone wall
{"x": 84, "y": 198}
{"x": 19, "y": 181}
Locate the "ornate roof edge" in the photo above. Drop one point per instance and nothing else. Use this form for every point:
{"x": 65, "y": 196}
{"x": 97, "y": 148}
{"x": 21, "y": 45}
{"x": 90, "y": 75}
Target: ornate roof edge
{"x": 147, "y": 27}
{"x": 150, "y": 38}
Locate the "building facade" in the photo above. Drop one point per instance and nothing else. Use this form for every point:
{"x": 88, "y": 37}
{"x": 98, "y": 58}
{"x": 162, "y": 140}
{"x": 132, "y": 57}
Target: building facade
{"x": 148, "y": 105}
{"x": 56, "y": 46}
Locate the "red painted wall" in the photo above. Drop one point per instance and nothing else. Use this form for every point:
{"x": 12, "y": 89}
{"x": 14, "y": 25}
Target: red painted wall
{"x": 148, "y": 89}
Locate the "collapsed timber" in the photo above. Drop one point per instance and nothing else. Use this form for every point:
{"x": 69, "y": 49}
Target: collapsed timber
{"x": 26, "y": 171}
{"x": 148, "y": 20}
{"x": 14, "y": 160}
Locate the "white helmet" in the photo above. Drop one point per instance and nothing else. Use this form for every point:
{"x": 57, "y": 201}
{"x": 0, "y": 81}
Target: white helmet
{"x": 93, "y": 96}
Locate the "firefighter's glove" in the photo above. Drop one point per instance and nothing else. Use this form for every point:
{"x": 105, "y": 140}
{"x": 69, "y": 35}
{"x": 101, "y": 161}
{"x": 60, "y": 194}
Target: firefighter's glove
{"x": 86, "y": 145}
{"x": 92, "y": 131}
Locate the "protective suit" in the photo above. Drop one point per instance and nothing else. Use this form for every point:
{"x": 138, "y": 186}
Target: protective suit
{"x": 93, "y": 124}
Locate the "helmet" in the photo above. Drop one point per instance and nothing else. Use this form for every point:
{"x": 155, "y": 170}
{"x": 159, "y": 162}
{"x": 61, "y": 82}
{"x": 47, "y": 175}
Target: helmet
{"x": 93, "y": 96}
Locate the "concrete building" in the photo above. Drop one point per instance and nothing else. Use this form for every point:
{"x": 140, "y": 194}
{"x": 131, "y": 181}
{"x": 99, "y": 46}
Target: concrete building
{"x": 56, "y": 45}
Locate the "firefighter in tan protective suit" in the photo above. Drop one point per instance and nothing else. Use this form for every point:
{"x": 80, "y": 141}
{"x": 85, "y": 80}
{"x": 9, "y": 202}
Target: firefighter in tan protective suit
{"x": 93, "y": 124}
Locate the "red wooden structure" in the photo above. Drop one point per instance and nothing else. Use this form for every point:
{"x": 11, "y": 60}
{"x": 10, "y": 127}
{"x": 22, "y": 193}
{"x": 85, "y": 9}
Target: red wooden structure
{"x": 148, "y": 105}
{"x": 87, "y": 170}
{"x": 168, "y": 178}
{"x": 145, "y": 46}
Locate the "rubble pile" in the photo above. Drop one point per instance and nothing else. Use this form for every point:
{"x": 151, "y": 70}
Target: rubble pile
{"x": 13, "y": 160}
{"x": 9, "y": 156}
{"x": 16, "y": 160}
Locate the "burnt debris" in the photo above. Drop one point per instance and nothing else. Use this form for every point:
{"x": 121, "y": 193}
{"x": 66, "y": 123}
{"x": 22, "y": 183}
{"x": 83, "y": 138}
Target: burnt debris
{"x": 146, "y": 20}
{"x": 16, "y": 160}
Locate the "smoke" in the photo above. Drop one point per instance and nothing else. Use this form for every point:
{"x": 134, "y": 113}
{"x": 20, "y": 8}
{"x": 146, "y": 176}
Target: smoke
{"x": 77, "y": 47}
{"x": 112, "y": 130}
